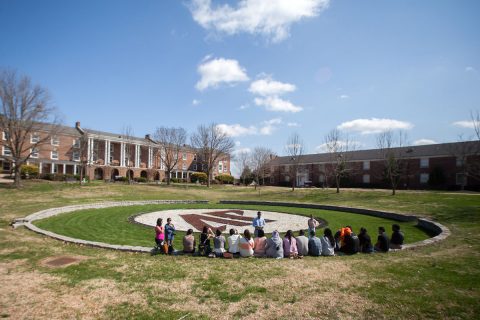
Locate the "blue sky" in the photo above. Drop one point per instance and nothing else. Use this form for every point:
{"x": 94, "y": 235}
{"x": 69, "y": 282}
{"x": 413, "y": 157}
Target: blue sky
{"x": 262, "y": 71}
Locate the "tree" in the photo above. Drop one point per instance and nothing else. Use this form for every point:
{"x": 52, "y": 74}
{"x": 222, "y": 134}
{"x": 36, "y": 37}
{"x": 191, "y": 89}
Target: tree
{"x": 338, "y": 148}
{"x": 390, "y": 145}
{"x": 81, "y": 146}
{"x": 242, "y": 160}
{"x": 129, "y": 150}
{"x": 212, "y": 144}
{"x": 27, "y": 118}
{"x": 259, "y": 160}
{"x": 475, "y": 116}
{"x": 170, "y": 143}
{"x": 294, "y": 149}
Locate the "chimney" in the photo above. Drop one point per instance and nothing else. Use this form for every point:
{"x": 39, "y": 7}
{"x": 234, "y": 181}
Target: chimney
{"x": 147, "y": 137}
{"x": 77, "y": 126}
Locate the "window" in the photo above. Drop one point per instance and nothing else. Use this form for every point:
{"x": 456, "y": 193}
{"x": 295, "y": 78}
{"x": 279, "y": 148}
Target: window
{"x": 424, "y": 163}
{"x": 54, "y": 155}
{"x": 224, "y": 168}
{"x": 184, "y": 166}
{"x": 194, "y": 167}
{"x": 321, "y": 178}
{"x": 76, "y": 143}
{"x": 6, "y": 135}
{"x": 7, "y": 151}
{"x": 55, "y": 141}
{"x": 76, "y": 156}
{"x": 77, "y": 169}
{"x": 461, "y": 179}
{"x": 195, "y": 157}
{"x": 366, "y": 165}
{"x": 55, "y": 168}
{"x": 460, "y": 162}
{"x": 34, "y": 138}
{"x": 34, "y": 153}
{"x": 366, "y": 178}
{"x": 112, "y": 148}
{"x": 424, "y": 177}
{"x": 184, "y": 156}
{"x": 184, "y": 175}
{"x": 220, "y": 166}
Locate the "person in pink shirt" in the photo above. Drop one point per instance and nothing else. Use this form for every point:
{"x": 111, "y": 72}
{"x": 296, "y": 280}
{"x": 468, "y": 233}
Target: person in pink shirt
{"x": 159, "y": 234}
{"x": 259, "y": 244}
{"x": 246, "y": 244}
{"x": 290, "y": 245}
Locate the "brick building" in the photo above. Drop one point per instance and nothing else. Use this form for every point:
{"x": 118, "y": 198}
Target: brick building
{"x": 107, "y": 155}
{"x": 440, "y": 166}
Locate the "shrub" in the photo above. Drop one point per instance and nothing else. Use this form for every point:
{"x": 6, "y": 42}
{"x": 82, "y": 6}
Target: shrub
{"x": 198, "y": 176}
{"x": 174, "y": 180}
{"x": 225, "y": 178}
{"x": 122, "y": 179}
{"x": 29, "y": 171}
{"x": 140, "y": 179}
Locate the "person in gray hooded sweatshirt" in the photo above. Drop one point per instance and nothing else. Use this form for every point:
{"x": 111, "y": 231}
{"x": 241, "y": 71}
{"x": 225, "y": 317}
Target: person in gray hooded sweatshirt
{"x": 274, "y": 246}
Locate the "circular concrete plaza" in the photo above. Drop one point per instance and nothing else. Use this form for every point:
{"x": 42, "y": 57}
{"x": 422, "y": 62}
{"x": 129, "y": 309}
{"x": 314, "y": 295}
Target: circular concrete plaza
{"x": 224, "y": 219}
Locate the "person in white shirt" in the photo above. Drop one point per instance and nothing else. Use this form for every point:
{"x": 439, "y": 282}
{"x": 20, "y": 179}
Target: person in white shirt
{"x": 233, "y": 241}
{"x": 302, "y": 244}
{"x": 312, "y": 225}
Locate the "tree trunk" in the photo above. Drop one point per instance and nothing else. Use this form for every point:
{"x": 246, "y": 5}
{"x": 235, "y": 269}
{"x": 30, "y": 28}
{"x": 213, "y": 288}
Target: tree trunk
{"x": 168, "y": 177}
{"x": 208, "y": 179}
{"x": 337, "y": 181}
{"x": 18, "y": 181}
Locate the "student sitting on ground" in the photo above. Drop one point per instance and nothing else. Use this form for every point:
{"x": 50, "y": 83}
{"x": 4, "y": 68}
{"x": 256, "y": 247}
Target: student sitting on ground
{"x": 338, "y": 240}
{"x": 365, "y": 241}
{"x": 396, "y": 241}
{"x": 204, "y": 247}
{"x": 233, "y": 241}
{"x": 314, "y": 245}
{"x": 383, "y": 244}
{"x": 259, "y": 244}
{"x": 348, "y": 243}
{"x": 355, "y": 240}
{"x": 290, "y": 245}
{"x": 274, "y": 246}
{"x": 328, "y": 243}
{"x": 302, "y": 243}
{"x": 189, "y": 242}
{"x": 219, "y": 243}
{"x": 246, "y": 244}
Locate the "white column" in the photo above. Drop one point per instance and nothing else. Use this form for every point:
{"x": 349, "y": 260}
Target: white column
{"x": 89, "y": 151}
{"x": 149, "y": 163}
{"x": 64, "y": 168}
{"x": 122, "y": 154}
{"x": 74, "y": 169}
{"x": 52, "y": 168}
{"x": 40, "y": 165}
{"x": 137, "y": 156}
{"x": 107, "y": 151}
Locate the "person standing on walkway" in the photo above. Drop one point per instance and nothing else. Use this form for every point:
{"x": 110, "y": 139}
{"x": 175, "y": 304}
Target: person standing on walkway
{"x": 312, "y": 225}
{"x": 258, "y": 223}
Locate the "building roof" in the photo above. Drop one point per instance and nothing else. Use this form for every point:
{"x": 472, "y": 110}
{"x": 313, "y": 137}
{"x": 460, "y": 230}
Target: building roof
{"x": 431, "y": 150}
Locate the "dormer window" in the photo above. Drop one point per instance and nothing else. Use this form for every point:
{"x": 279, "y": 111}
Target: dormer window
{"x": 55, "y": 141}
{"x": 35, "y": 138}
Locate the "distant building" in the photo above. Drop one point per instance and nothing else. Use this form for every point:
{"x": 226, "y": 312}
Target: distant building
{"x": 438, "y": 166}
{"x": 106, "y": 157}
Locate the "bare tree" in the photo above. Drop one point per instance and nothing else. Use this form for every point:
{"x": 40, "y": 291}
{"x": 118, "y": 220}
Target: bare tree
{"x": 212, "y": 144}
{"x": 475, "y": 116}
{"x": 338, "y": 147}
{"x": 294, "y": 149}
{"x": 170, "y": 143}
{"x": 242, "y": 160}
{"x": 129, "y": 150}
{"x": 390, "y": 145}
{"x": 260, "y": 159}
{"x": 27, "y": 118}
{"x": 81, "y": 146}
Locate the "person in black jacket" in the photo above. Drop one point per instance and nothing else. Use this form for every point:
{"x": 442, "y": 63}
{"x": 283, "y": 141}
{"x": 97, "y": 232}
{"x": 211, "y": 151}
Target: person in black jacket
{"x": 365, "y": 241}
{"x": 383, "y": 243}
{"x": 396, "y": 241}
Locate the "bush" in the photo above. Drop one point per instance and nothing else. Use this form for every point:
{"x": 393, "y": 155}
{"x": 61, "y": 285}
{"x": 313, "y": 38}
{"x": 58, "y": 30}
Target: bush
{"x": 122, "y": 179}
{"x": 140, "y": 179}
{"x": 225, "y": 178}
{"x": 29, "y": 171}
{"x": 198, "y": 176}
{"x": 174, "y": 180}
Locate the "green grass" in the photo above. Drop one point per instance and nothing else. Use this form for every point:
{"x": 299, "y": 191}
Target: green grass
{"x": 110, "y": 225}
{"x": 439, "y": 281}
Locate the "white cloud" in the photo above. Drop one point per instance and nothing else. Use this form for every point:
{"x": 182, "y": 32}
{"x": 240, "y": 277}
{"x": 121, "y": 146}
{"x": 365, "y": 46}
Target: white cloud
{"x": 464, "y": 124}
{"x": 195, "y": 102}
{"x": 374, "y": 125}
{"x": 277, "y": 104}
{"x": 344, "y": 96}
{"x": 271, "y": 19}
{"x": 235, "y": 130}
{"x": 240, "y": 150}
{"x": 470, "y": 69}
{"x": 214, "y": 72}
{"x": 293, "y": 124}
{"x": 244, "y": 106}
{"x": 421, "y": 142}
{"x": 268, "y": 87}
{"x": 352, "y": 145}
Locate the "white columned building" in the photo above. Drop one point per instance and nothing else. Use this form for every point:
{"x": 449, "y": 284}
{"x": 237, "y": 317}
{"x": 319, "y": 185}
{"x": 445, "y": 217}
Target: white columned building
{"x": 137, "y": 156}
{"x": 122, "y": 154}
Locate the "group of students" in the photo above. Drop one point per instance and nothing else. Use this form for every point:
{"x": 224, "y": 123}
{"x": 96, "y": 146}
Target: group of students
{"x": 344, "y": 242}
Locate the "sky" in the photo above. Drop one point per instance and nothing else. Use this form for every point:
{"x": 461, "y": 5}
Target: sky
{"x": 260, "y": 69}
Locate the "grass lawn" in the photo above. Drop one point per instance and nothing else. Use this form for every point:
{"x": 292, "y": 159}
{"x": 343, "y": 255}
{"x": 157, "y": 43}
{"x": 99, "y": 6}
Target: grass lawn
{"x": 437, "y": 281}
{"x": 110, "y": 225}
